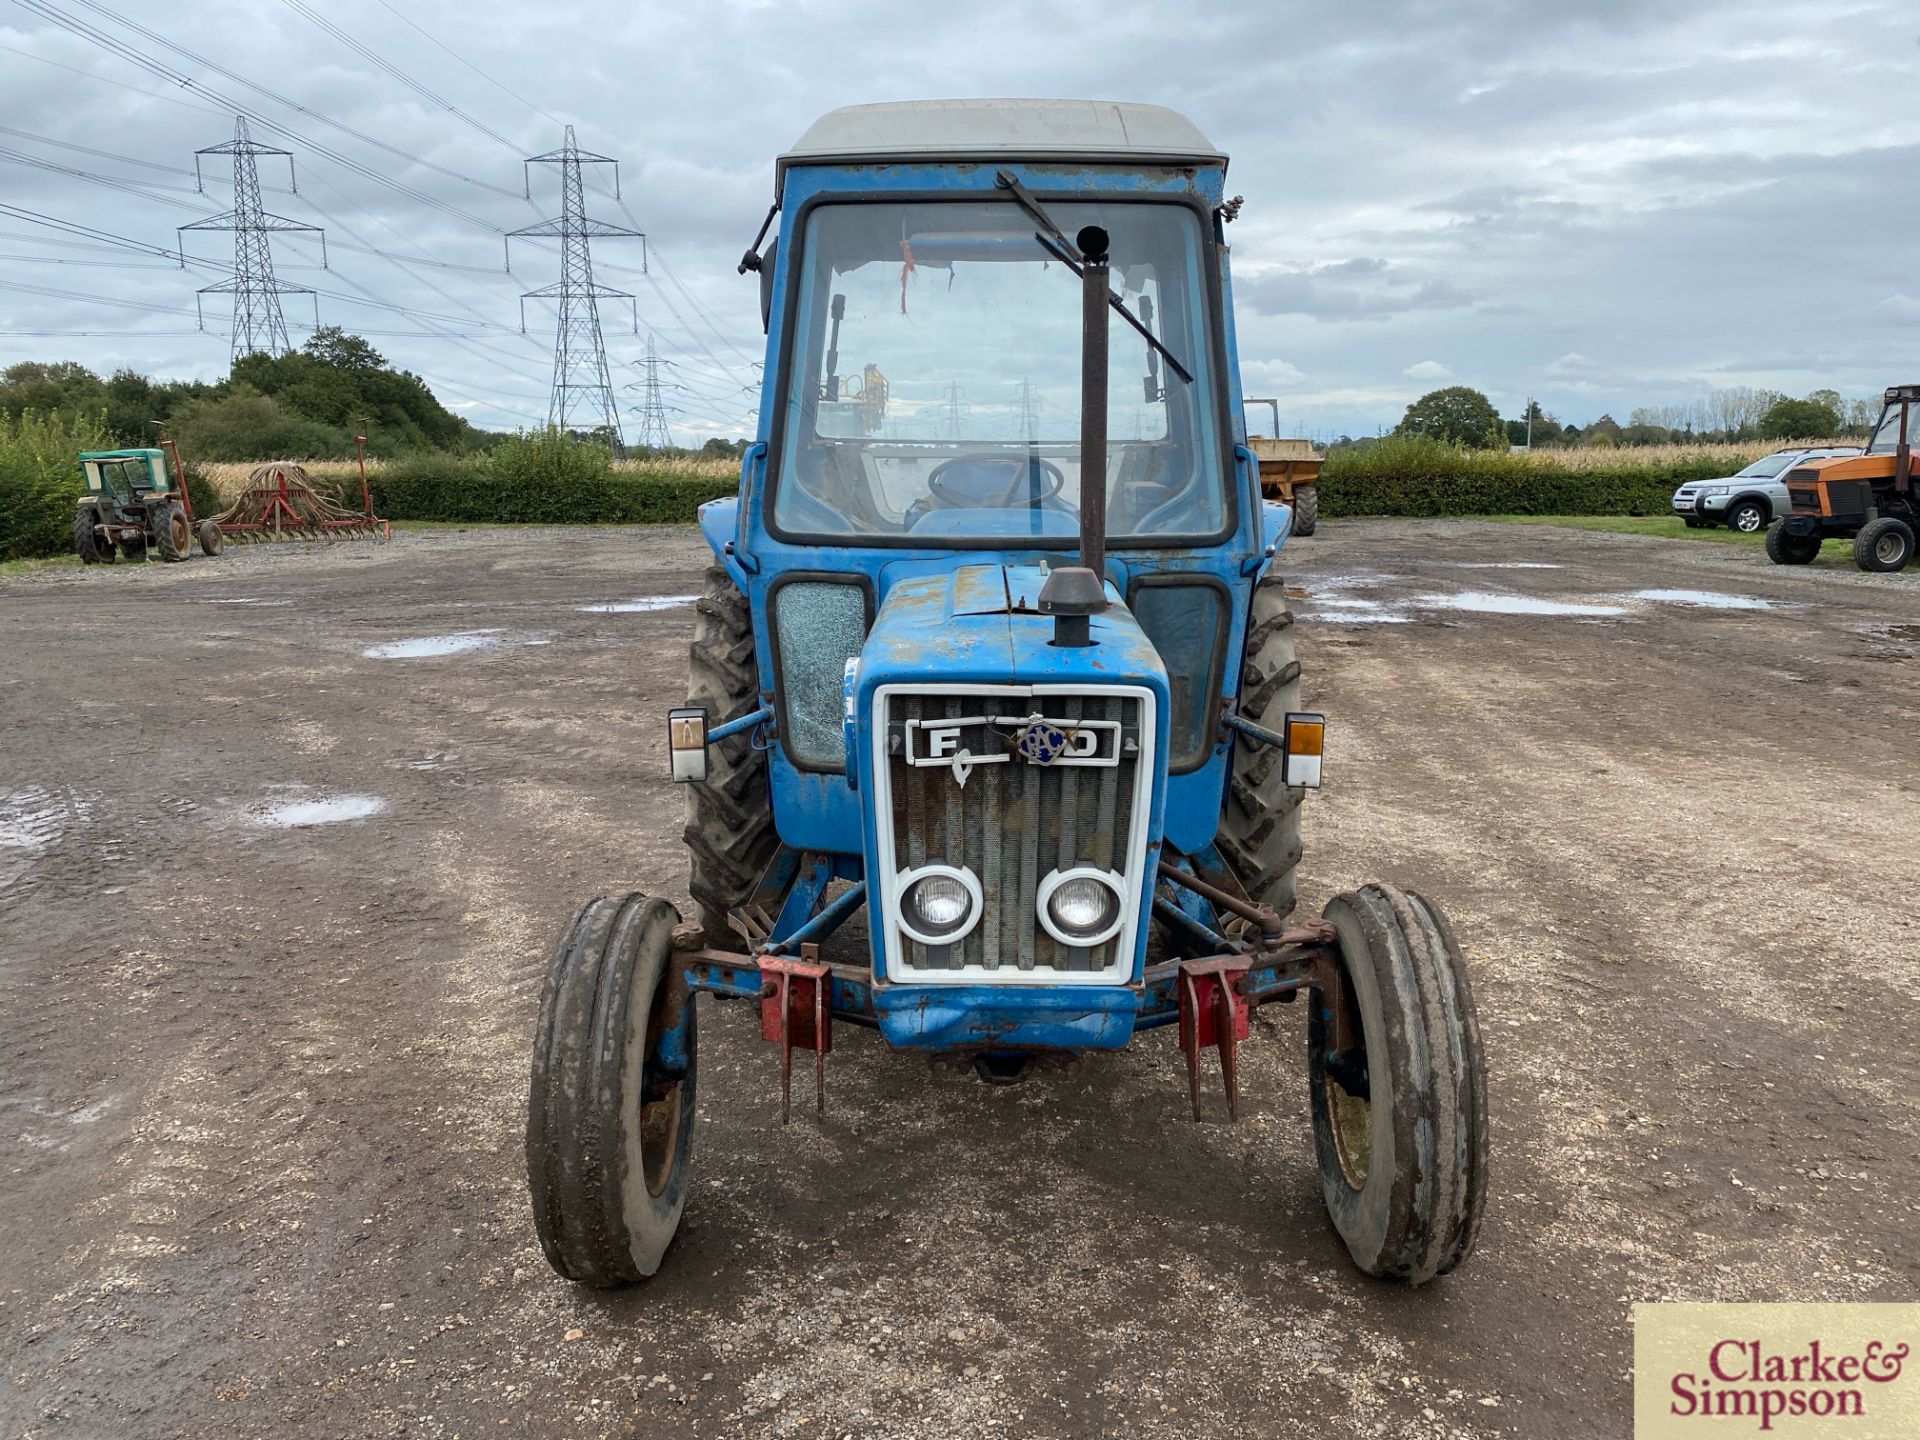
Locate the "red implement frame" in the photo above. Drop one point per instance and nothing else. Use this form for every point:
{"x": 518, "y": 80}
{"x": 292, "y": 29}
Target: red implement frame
{"x": 1213, "y": 1012}
{"x": 796, "y": 1010}
{"x": 279, "y": 504}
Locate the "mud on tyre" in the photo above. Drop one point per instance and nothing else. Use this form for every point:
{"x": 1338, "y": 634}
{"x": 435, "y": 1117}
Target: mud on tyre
{"x": 611, "y": 1105}
{"x": 1398, "y": 1090}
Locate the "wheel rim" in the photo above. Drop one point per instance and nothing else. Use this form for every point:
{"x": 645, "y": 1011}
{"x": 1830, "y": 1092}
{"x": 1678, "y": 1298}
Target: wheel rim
{"x": 182, "y": 537}
{"x": 1747, "y": 520}
{"x": 1887, "y": 550}
{"x": 659, "y": 1118}
{"x": 1351, "y": 1120}
{"x": 1349, "y": 1116}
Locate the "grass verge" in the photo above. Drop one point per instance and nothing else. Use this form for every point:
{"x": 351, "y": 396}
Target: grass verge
{"x": 1668, "y": 527}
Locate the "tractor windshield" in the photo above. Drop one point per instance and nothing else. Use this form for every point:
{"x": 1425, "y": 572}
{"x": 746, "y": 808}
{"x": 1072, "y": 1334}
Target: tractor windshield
{"x": 1886, "y": 435}
{"x": 933, "y": 380}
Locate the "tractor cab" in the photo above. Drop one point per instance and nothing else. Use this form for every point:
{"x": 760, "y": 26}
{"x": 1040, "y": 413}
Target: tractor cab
{"x": 992, "y": 655}
{"x": 125, "y": 474}
{"x": 1867, "y": 498}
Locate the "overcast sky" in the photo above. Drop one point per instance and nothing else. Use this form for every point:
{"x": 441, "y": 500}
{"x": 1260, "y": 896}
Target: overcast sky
{"x": 1602, "y": 205}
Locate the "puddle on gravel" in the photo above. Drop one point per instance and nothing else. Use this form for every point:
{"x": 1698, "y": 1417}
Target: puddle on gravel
{"x": 1704, "y": 599}
{"x": 1502, "y": 565}
{"x": 430, "y": 645}
{"x": 299, "y": 813}
{"x": 248, "y": 600}
{"x": 1480, "y": 602}
{"x": 645, "y": 604}
{"x": 33, "y": 819}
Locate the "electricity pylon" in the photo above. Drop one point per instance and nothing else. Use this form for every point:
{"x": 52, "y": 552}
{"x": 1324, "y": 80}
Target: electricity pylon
{"x": 258, "y": 324}
{"x": 654, "y": 432}
{"x": 582, "y": 384}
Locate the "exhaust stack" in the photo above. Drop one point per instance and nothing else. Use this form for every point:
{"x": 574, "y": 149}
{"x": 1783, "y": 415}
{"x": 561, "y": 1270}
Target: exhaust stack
{"x": 1074, "y": 594}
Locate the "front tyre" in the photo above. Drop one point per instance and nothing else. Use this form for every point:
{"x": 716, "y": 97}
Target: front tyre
{"x": 610, "y": 1116}
{"x": 1749, "y": 517}
{"x": 1785, "y": 549}
{"x": 1398, "y": 1091}
{"x": 87, "y": 543}
{"x": 208, "y": 534}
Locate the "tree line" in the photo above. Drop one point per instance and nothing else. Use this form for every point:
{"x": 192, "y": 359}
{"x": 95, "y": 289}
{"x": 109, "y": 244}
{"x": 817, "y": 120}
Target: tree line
{"x": 305, "y": 405}
{"x": 1461, "y": 415}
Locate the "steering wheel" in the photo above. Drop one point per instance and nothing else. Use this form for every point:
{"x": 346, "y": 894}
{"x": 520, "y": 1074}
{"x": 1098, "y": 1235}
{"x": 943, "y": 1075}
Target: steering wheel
{"x": 974, "y": 487}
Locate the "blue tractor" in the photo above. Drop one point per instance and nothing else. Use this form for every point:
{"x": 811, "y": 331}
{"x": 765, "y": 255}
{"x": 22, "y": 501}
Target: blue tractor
{"x": 1046, "y": 734}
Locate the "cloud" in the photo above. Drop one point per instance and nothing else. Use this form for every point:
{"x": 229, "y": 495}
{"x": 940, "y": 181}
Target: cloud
{"x": 1347, "y": 290}
{"x": 1427, "y": 370}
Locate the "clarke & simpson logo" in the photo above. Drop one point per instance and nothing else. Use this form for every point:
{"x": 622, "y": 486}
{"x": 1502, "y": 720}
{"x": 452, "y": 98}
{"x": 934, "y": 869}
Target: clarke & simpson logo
{"x": 1792, "y": 1371}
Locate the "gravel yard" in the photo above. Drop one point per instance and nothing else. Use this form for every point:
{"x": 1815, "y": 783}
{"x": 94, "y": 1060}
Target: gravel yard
{"x": 285, "y": 837}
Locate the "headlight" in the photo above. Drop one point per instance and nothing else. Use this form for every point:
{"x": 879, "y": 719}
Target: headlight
{"x": 939, "y": 904}
{"x": 1715, "y": 490}
{"x": 1082, "y": 906}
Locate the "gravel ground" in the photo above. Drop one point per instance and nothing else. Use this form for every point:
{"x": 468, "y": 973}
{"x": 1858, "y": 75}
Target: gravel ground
{"x": 274, "y": 907}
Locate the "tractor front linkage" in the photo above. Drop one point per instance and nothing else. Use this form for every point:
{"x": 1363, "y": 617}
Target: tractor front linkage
{"x": 1210, "y": 997}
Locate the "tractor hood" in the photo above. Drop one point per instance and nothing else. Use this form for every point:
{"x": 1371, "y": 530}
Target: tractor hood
{"x": 981, "y": 624}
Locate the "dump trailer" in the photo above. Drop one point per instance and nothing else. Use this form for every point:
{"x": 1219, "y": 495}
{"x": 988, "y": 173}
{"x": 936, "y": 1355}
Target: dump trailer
{"x": 1869, "y": 499}
{"x": 993, "y": 653}
{"x": 1289, "y": 472}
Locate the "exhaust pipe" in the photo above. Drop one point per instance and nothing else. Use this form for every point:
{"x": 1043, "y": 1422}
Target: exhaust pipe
{"x": 1074, "y": 594}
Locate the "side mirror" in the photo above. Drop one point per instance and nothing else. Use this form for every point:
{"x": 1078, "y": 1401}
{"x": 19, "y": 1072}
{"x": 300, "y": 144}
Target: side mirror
{"x": 687, "y": 744}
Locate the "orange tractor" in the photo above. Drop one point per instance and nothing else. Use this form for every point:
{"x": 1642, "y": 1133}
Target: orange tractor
{"x": 1869, "y": 498}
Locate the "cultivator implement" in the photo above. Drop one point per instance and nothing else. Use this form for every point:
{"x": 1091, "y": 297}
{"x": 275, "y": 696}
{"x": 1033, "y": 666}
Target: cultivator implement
{"x": 280, "y": 503}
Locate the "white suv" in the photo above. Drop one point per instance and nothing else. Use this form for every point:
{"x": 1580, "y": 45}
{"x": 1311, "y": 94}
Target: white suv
{"x": 1747, "y": 502}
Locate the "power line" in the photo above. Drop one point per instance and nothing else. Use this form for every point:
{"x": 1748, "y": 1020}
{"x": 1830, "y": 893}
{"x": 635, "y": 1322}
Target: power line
{"x": 434, "y": 40}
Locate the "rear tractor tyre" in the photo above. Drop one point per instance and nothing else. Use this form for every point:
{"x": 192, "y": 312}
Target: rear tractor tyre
{"x": 1884, "y": 546}
{"x": 1259, "y": 834}
{"x": 1400, "y": 1109}
{"x": 1306, "y": 509}
{"x": 172, "y": 534}
{"x": 1749, "y": 517}
{"x": 86, "y": 540}
{"x": 730, "y": 816}
{"x": 610, "y": 1116}
{"x": 1785, "y": 549}
{"x": 208, "y": 533}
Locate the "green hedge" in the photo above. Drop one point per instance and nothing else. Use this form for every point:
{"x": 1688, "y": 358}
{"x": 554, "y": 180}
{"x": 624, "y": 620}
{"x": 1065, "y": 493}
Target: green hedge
{"x": 486, "y": 490}
{"x": 40, "y": 479}
{"x": 1408, "y": 475}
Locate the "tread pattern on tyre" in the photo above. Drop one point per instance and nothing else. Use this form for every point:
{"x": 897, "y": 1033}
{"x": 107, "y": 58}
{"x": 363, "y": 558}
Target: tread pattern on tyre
{"x": 1259, "y": 834}
{"x": 86, "y": 543}
{"x": 1428, "y": 1220}
{"x": 1306, "y": 509}
{"x": 1785, "y": 549}
{"x": 729, "y": 833}
{"x": 576, "y": 1156}
{"x": 170, "y": 544}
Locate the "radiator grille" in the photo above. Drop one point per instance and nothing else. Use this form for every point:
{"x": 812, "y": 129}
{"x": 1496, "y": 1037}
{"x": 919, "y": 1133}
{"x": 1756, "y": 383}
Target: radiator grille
{"x": 1013, "y": 823}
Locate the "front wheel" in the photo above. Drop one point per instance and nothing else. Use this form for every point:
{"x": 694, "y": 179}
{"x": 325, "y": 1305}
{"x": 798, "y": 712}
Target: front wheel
{"x": 610, "y": 1115}
{"x": 1749, "y": 517}
{"x": 208, "y": 533}
{"x": 1398, "y": 1092}
{"x": 87, "y": 543}
{"x": 1884, "y": 545}
{"x": 1785, "y": 549}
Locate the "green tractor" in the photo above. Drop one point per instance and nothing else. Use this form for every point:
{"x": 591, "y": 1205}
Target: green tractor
{"x": 130, "y": 502}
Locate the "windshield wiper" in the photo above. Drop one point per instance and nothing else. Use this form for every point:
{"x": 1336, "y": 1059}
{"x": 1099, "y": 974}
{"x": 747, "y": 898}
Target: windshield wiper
{"x": 1055, "y": 242}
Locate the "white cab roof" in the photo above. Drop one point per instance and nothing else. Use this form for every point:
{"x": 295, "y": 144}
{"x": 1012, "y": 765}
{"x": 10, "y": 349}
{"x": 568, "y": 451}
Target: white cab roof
{"x": 1093, "y": 130}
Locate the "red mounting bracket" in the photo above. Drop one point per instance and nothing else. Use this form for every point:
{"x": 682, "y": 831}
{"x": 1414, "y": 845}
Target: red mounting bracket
{"x": 1213, "y": 1011}
{"x": 796, "y": 1009}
